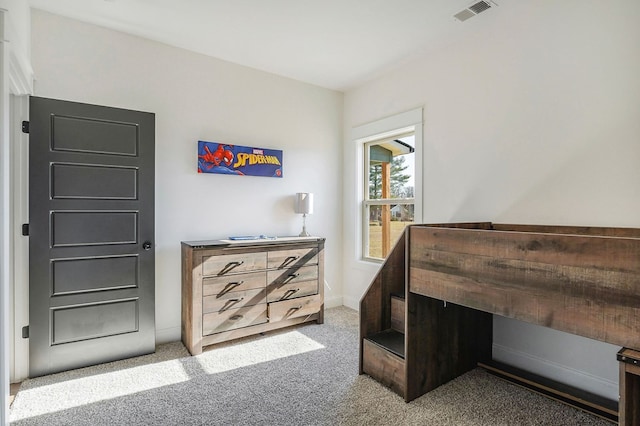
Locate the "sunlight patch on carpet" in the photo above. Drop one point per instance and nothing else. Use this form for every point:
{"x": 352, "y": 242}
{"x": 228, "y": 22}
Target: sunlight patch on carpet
{"x": 256, "y": 351}
{"x": 63, "y": 391}
{"x": 76, "y": 392}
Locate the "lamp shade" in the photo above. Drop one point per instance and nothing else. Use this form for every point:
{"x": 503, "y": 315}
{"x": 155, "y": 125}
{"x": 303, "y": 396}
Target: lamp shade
{"x": 304, "y": 203}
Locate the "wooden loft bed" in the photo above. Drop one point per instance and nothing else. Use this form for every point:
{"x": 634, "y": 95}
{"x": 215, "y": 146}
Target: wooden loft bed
{"x": 427, "y": 315}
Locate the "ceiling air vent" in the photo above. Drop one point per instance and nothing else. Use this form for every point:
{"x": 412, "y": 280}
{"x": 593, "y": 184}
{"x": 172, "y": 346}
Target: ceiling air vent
{"x": 473, "y": 10}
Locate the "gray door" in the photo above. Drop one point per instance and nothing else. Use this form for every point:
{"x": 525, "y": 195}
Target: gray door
{"x": 91, "y": 231}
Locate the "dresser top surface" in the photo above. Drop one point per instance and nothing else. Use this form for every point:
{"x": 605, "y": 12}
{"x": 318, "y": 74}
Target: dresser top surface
{"x": 251, "y": 242}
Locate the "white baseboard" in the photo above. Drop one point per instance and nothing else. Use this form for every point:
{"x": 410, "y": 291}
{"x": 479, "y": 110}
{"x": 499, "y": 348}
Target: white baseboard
{"x": 168, "y": 335}
{"x": 558, "y": 372}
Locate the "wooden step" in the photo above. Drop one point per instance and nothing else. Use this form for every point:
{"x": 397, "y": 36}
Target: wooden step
{"x": 397, "y": 312}
{"x": 383, "y": 359}
{"x": 390, "y": 340}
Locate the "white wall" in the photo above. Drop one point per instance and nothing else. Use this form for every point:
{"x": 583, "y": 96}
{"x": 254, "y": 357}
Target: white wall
{"x": 532, "y": 115}
{"x": 196, "y": 97}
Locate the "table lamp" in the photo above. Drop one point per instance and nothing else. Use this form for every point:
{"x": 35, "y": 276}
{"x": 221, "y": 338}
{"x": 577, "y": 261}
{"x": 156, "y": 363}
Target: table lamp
{"x": 304, "y": 206}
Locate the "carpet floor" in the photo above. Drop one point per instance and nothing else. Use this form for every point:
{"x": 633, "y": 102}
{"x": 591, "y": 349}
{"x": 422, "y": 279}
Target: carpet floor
{"x": 306, "y": 375}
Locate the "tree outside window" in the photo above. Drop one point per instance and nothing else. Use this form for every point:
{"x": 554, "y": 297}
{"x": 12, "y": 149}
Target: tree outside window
{"x": 389, "y": 201}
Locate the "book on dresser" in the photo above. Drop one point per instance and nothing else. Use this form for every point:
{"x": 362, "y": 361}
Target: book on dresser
{"x": 236, "y": 288}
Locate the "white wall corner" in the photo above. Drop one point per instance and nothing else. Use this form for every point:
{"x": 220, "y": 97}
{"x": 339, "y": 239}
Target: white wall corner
{"x": 351, "y": 302}
{"x": 332, "y": 302}
{"x": 559, "y": 372}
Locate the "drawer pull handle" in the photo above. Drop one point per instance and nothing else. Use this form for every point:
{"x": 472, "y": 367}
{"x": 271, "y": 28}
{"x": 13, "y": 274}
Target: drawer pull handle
{"x": 230, "y": 302}
{"x": 290, "y": 259}
{"x": 235, "y": 317}
{"x": 290, "y": 293}
{"x": 229, "y": 266}
{"x": 227, "y": 288}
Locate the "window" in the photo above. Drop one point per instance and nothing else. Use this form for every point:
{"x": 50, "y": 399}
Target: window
{"x": 386, "y": 200}
{"x": 389, "y": 192}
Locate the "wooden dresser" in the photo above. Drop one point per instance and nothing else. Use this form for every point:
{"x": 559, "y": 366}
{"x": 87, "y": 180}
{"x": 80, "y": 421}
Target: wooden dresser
{"x": 233, "y": 289}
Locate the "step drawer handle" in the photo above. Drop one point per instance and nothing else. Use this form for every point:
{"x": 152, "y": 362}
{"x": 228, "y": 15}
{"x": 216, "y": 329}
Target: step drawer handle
{"x": 236, "y": 300}
{"x": 236, "y": 317}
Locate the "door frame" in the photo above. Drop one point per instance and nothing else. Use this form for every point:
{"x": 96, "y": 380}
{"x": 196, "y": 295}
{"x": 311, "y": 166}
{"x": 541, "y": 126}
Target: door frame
{"x": 15, "y": 86}
{"x": 19, "y": 362}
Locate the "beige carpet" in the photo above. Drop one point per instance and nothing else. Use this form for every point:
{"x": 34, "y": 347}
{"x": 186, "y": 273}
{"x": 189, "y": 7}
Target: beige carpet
{"x": 306, "y": 375}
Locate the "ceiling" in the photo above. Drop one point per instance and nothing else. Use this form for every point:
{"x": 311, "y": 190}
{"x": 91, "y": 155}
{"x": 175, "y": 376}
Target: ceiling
{"x": 337, "y": 44}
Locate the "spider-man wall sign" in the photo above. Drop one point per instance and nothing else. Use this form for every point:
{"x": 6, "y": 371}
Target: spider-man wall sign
{"x": 215, "y": 157}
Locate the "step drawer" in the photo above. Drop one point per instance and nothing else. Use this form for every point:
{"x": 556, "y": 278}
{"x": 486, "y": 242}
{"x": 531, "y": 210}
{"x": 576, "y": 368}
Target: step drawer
{"x": 384, "y": 366}
{"x": 291, "y": 291}
{"x": 293, "y": 275}
{"x": 294, "y": 308}
{"x": 216, "y": 322}
{"x": 233, "y": 263}
{"x": 281, "y": 259}
{"x": 238, "y": 282}
{"x": 233, "y": 300}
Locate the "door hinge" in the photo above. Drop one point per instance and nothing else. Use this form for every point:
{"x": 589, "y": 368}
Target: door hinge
{"x": 25, "y": 127}
{"x": 25, "y": 229}
{"x": 25, "y": 332}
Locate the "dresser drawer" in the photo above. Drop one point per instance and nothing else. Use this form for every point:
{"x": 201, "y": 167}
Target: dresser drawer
{"x": 280, "y": 259}
{"x": 239, "y": 282}
{"x": 216, "y": 322}
{"x": 289, "y": 276}
{"x": 300, "y": 307}
{"x": 233, "y": 300}
{"x": 291, "y": 291}
{"x": 233, "y": 263}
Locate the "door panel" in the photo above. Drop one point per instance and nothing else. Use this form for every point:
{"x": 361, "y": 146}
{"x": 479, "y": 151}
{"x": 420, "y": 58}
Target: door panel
{"x": 91, "y": 200}
{"x": 80, "y": 275}
{"x": 73, "y": 324}
{"x": 77, "y": 228}
{"x": 96, "y": 135}
{"x": 86, "y": 181}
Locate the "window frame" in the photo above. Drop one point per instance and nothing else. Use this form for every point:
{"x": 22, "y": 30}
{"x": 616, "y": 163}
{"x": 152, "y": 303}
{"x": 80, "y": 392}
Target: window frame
{"x": 390, "y": 127}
